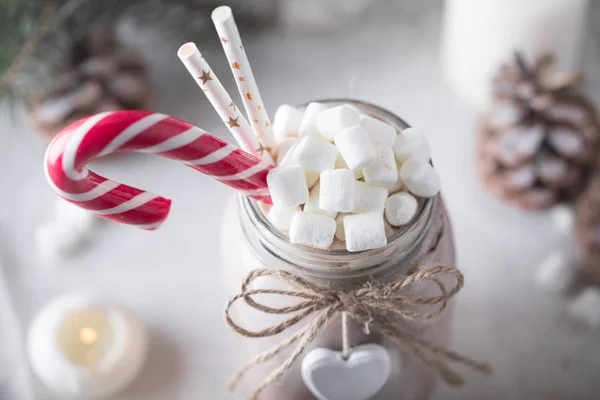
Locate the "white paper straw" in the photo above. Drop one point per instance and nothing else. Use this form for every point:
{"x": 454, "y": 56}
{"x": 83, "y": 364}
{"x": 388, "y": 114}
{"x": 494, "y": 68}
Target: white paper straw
{"x": 221, "y": 101}
{"x": 238, "y": 62}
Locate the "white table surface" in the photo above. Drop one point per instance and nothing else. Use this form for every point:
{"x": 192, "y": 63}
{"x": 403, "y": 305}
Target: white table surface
{"x": 170, "y": 276}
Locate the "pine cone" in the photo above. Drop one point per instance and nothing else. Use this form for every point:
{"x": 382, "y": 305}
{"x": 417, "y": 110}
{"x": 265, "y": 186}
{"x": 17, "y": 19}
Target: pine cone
{"x": 587, "y": 229}
{"x": 100, "y": 75}
{"x": 538, "y": 142}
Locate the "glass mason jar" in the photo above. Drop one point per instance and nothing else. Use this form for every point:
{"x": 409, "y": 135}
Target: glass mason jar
{"x": 249, "y": 241}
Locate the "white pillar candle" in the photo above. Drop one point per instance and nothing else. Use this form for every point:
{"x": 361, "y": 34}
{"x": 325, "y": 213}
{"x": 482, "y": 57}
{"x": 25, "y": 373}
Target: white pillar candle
{"x": 479, "y": 35}
{"x": 81, "y": 347}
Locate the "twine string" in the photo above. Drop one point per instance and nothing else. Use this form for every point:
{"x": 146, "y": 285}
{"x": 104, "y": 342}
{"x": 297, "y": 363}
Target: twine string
{"x": 377, "y": 306}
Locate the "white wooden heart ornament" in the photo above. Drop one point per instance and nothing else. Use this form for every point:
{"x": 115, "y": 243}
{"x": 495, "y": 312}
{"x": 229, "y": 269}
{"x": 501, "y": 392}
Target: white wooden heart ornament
{"x": 329, "y": 377}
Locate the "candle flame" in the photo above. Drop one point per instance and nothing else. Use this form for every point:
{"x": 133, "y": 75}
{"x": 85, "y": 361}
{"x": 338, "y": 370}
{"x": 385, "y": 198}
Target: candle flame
{"x": 88, "y": 336}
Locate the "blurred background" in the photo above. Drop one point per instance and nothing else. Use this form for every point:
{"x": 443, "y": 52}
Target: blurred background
{"x": 431, "y": 62}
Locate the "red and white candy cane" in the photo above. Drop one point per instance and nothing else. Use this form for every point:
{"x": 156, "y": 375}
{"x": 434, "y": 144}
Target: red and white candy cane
{"x": 146, "y": 132}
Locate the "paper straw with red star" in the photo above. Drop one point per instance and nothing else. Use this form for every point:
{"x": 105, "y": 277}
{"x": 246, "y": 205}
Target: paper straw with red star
{"x": 238, "y": 61}
{"x": 221, "y": 101}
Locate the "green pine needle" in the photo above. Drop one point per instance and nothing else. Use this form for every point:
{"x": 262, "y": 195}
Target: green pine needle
{"x": 19, "y": 20}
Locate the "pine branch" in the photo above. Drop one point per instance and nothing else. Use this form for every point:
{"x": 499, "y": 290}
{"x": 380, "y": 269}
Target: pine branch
{"x": 69, "y": 20}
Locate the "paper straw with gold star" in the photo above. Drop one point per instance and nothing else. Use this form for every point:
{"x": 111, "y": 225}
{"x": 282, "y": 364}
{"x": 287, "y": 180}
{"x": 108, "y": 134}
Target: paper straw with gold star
{"x": 238, "y": 61}
{"x": 221, "y": 101}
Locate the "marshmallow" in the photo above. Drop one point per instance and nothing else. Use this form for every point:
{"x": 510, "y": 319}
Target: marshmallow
{"x": 331, "y": 121}
{"x": 355, "y": 108}
{"x": 312, "y": 230}
{"x": 312, "y": 205}
{"x": 563, "y": 218}
{"x": 282, "y": 218}
{"x": 287, "y": 121}
{"x": 586, "y": 307}
{"x": 383, "y": 169}
{"x": 369, "y": 198}
{"x": 411, "y": 143}
{"x": 284, "y": 146}
{"x": 379, "y": 132}
{"x": 420, "y": 178}
{"x": 356, "y": 147}
{"x": 287, "y": 158}
{"x": 337, "y": 190}
{"x": 308, "y": 127}
{"x": 556, "y": 272}
{"x": 341, "y": 164}
{"x": 339, "y": 228}
{"x": 287, "y": 185}
{"x": 315, "y": 154}
{"x": 364, "y": 231}
{"x": 394, "y": 187}
{"x": 400, "y": 208}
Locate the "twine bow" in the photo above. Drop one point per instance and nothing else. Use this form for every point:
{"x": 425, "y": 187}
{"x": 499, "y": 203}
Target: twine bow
{"x": 379, "y": 306}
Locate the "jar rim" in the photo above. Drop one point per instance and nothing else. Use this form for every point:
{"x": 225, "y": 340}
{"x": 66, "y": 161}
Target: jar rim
{"x": 423, "y": 210}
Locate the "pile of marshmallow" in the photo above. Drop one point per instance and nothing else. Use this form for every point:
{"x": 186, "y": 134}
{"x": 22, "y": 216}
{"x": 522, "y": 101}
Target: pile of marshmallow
{"x": 346, "y": 176}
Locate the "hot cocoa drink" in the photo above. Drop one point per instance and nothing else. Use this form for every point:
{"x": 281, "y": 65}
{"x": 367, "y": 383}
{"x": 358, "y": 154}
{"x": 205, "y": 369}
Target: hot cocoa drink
{"x": 416, "y": 233}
